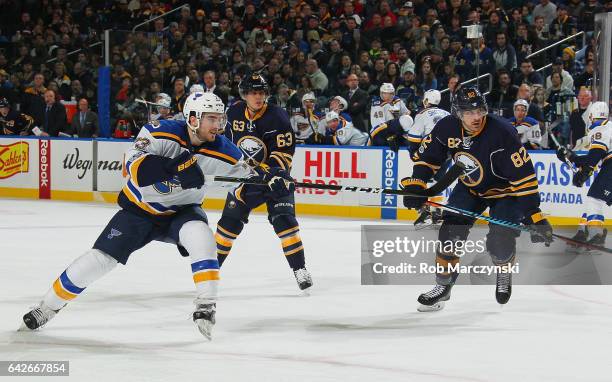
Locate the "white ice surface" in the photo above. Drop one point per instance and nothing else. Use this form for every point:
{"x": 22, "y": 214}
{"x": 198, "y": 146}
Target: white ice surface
{"x": 134, "y": 324}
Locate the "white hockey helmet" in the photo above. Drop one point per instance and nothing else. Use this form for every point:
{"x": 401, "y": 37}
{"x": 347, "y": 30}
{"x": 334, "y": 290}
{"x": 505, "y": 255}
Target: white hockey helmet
{"x": 406, "y": 122}
{"x": 432, "y": 97}
{"x": 197, "y": 104}
{"x": 196, "y": 88}
{"x": 387, "y": 87}
{"x": 308, "y": 97}
{"x": 521, "y": 102}
{"x": 599, "y": 110}
{"x": 341, "y": 101}
{"x": 330, "y": 116}
{"x": 163, "y": 100}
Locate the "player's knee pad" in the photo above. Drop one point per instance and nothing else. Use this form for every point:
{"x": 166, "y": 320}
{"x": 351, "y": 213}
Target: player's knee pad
{"x": 454, "y": 228}
{"x": 235, "y": 209}
{"x": 283, "y": 209}
{"x": 501, "y": 243}
{"x": 198, "y": 240}
{"x": 89, "y": 267}
{"x": 283, "y": 222}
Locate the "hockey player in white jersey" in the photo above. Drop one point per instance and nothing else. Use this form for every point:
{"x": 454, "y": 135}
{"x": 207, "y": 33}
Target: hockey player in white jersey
{"x": 528, "y": 128}
{"x": 424, "y": 122}
{"x": 393, "y": 133}
{"x": 339, "y": 132}
{"x": 386, "y": 107}
{"x": 600, "y": 192}
{"x": 161, "y": 201}
{"x": 162, "y": 107}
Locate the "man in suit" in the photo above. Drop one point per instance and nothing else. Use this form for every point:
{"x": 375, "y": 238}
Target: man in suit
{"x": 54, "y": 116}
{"x": 357, "y": 102}
{"x": 210, "y": 86}
{"x": 85, "y": 122}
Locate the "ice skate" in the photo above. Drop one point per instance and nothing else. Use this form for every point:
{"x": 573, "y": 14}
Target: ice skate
{"x": 424, "y": 220}
{"x": 303, "y": 278}
{"x": 598, "y": 239}
{"x": 37, "y": 317}
{"x": 204, "y": 317}
{"x": 433, "y": 300}
{"x": 503, "y": 287}
{"x": 580, "y": 236}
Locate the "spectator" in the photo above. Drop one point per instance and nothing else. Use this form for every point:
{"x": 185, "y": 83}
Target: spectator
{"x": 563, "y": 25}
{"x": 84, "y": 122}
{"x": 357, "y": 102}
{"x": 179, "y": 96}
{"x": 547, "y": 10}
{"x": 447, "y": 97}
{"x": 54, "y": 116}
{"x": 578, "y": 118}
{"x": 528, "y": 75}
{"x": 317, "y": 77}
{"x": 426, "y": 79}
{"x": 585, "y": 79}
{"x": 502, "y": 97}
{"x": 567, "y": 80}
{"x": 210, "y": 86}
{"x": 504, "y": 54}
{"x": 534, "y": 110}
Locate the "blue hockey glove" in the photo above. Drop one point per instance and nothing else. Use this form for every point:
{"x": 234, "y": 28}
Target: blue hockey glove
{"x": 185, "y": 168}
{"x": 413, "y": 185}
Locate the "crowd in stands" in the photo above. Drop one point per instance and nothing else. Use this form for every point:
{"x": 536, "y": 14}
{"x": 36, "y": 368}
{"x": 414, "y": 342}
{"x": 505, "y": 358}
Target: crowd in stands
{"x": 50, "y": 52}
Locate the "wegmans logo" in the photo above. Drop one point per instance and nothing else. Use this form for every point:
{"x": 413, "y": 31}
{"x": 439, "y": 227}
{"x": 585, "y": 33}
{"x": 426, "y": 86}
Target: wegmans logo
{"x": 14, "y": 159}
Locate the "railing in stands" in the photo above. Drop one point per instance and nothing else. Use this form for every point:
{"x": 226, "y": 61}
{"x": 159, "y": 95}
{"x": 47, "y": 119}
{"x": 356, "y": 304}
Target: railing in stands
{"x": 475, "y": 79}
{"x": 160, "y": 16}
{"x": 76, "y": 51}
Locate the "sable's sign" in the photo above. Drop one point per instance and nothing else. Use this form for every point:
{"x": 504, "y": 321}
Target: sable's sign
{"x": 13, "y": 159}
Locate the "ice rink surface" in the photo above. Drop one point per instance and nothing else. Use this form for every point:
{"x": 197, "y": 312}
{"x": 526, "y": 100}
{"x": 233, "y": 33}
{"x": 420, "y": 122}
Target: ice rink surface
{"x": 135, "y": 323}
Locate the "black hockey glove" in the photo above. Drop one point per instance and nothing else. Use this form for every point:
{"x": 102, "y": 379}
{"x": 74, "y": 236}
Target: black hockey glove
{"x": 564, "y": 154}
{"x": 279, "y": 182}
{"x": 539, "y": 229}
{"x": 185, "y": 168}
{"x": 582, "y": 175}
{"x": 394, "y": 143}
{"x": 413, "y": 185}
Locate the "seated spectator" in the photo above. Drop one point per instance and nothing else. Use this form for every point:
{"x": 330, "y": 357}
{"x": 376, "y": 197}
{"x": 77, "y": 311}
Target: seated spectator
{"x": 317, "y": 77}
{"x": 578, "y": 118}
{"x": 502, "y": 97}
{"x": 527, "y": 74}
{"x": 504, "y": 55}
{"x": 426, "y": 79}
{"x": 585, "y": 79}
{"x": 567, "y": 80}
{"x": 84, "y": 122}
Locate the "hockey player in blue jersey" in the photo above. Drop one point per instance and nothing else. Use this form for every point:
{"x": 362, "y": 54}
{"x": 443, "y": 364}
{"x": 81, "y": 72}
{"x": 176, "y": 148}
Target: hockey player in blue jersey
{"x": 599, "y": 135}
{"x": 161, "y": 201}
{"x": 528, "y": 128}
{"x": 499, "y": 175}
{"x": 264, "y": 134}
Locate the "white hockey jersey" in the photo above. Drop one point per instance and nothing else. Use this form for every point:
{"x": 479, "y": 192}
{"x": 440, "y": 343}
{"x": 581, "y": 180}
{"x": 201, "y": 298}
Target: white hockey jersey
{"x": 600, "y": 136}
{"x": 347, "y": 135}
{"x": 169, "y": 138}
{"x": 424, "y": 122}
{"x": 382, "y": 111}
{"x": 528, "y": 130}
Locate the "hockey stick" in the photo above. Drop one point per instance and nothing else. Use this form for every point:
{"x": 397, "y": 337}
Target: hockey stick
{"x": 567, "y": 161}
{"x": 447, "y": 179}
{"x": 515, "y": 226}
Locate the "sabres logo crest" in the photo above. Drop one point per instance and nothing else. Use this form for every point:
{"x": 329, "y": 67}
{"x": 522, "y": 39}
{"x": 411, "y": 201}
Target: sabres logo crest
{"x": 474, "y": 171}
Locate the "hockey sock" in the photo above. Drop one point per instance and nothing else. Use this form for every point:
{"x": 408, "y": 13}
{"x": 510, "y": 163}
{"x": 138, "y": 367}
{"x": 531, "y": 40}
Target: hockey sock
{"x": 444, "y": 275}
{"x": 228, "y": 230}
{"x": 198, "y": 239}
{"x": 595, "y": 215}
{"x": 292, "y": 246}
{"x": 86, "y": 269}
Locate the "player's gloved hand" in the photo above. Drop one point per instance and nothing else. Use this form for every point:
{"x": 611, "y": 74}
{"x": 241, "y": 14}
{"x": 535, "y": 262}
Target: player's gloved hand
{"x": 278, "y": 180}
{"x": 582, "y": 175}
{"x": 185, "y": 168}
{"x": 564, "y": 154}
{"x": 539, "y": 229}
{"x": 393, "y": 142}
{"x": 314, "y": 139}
{"x": 413, "y": 185}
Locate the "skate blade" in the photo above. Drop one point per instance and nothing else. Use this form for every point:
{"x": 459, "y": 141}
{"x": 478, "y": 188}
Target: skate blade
{"x": 24, "y": 328}
{"x": 305, "y": 292}
{"x": 431, "y": 308}
{"x": 205, "y": 327}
